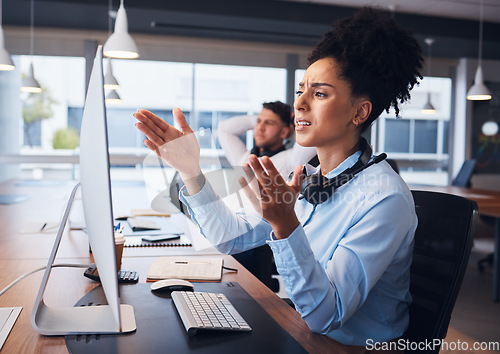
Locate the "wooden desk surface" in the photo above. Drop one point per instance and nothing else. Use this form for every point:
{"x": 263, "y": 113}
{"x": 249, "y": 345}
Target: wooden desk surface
{"x": 488, "y": 202}
{"x": 21, "y": 253}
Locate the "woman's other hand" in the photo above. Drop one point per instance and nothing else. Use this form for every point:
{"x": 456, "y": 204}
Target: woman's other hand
{"x": 271, "y": 195}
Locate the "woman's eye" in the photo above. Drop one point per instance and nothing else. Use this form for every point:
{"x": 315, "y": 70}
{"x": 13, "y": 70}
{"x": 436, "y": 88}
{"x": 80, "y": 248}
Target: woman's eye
{"x": 319, "y": 94}
{"x": 298, "y": 93}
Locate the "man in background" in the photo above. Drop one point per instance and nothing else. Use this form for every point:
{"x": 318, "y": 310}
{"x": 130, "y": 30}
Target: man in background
{"x": 271, "y": 128}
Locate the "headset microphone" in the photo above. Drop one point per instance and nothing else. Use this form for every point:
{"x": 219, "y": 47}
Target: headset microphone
{"x": 317, "y": 189}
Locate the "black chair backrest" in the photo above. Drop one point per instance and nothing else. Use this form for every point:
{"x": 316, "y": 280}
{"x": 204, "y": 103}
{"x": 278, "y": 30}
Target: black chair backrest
{"x": 443, "y": 242}
{"x": 463, "y": 176}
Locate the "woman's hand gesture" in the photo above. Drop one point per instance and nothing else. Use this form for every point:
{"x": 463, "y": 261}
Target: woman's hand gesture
{"x": 271, "y": 195}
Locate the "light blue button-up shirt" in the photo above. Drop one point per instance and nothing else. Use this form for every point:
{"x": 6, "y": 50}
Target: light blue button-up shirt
{"x": 346, "y": 267}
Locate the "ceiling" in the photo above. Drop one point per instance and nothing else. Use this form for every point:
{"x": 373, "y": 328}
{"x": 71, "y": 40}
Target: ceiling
{"x": 460, "y": 9}
{"x": 452, "y": 23}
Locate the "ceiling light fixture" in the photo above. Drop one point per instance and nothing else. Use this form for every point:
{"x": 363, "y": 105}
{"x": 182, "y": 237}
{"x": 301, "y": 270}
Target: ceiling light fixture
{"x": 479, "y": 91}
{"x": 6, "y": 63}
{"x": 490, "y": 128}
{"x": 120, "y": 44}
{"x": 110, "y": 82}
{"x": 113, "y": 98}
{"x": 29, "y": 83}
{"x": 428, "y": 107}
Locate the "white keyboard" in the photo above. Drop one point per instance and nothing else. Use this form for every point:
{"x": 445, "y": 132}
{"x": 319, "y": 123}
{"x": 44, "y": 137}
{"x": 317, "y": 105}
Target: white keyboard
{"x": 212, "y": 311}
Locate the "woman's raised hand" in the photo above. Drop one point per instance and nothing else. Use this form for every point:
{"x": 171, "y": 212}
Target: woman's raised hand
{"x": 178, "y": 148}
{"x": 271, "y": 195}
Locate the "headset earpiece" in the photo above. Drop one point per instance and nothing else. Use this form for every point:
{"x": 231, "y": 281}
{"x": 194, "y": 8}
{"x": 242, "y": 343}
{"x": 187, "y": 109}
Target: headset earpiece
{"x": 317, "y": 189}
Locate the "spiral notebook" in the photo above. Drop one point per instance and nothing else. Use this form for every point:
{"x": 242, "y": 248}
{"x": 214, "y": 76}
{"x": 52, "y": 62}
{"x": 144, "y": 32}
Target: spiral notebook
{"x": 138, "y": 241}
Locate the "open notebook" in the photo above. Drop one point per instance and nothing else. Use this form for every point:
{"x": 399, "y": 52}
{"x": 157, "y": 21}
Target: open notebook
{"x": 188, "y": 268}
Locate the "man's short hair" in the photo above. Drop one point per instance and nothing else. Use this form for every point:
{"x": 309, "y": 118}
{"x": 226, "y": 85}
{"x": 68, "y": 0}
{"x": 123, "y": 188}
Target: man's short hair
{"x": 283, "y": 110}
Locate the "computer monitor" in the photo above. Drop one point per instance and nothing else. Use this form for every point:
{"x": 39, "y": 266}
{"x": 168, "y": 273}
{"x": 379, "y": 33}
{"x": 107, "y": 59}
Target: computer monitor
{"x": 98, "y": 211}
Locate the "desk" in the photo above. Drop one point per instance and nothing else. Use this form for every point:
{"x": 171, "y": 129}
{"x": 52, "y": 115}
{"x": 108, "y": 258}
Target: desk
{"x": 488, "y": 203}
{"x": 21, "y": 253}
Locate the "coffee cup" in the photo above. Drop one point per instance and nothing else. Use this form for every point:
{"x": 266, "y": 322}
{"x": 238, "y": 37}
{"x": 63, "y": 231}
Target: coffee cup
{"x": 119, "y": 243}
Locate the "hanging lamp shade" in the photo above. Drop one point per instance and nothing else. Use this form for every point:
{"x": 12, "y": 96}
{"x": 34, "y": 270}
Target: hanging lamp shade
{"x": 110, "y": 82}
{"x": 113, "y": 97}
{"x": 29, "y": 83}
{"x": 428, "y": 107}
{"x": 120, "y": 44}
{"x": 6, "y": 63}
{"x": 478, "y": 91}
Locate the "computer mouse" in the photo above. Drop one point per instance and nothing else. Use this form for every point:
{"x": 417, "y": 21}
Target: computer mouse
{"x": 172, "y": 285}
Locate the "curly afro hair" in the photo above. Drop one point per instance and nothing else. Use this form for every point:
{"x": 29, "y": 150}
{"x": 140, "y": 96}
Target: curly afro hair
{"x": 379, "y": 58}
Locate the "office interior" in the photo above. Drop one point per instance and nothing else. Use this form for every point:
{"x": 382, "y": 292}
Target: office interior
{"x": 212, "y": 48}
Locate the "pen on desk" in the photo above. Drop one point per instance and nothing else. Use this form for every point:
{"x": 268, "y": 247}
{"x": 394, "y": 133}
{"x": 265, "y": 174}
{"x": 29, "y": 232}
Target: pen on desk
{"x": 43, "y": 227}
{"x": 180, "y": 262}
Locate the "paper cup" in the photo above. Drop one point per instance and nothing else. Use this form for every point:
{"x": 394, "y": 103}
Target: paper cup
{"x": 119, "y": 242}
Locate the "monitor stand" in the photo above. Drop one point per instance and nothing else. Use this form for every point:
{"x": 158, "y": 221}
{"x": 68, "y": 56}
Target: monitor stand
{"x": 50, "y": 321}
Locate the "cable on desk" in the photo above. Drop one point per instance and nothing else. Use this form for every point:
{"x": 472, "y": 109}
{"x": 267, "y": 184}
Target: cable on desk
{"x": 59, "y": 265}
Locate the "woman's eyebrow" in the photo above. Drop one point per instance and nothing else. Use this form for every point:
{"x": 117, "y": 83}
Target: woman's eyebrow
{"x": 318, "y": 84}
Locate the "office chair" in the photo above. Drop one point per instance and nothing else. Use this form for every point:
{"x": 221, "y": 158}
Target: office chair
{"x": 443, "y": 242}
{"x": 463, "y": 177}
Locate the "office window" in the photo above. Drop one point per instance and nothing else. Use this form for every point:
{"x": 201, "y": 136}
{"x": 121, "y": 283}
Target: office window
{"x": 224, "y": 91}
{"x": 63, "y": 82}
{"x": 207, "y": 94}
{"x": 397, "y": 136}
{"x": 426, "y": 132}
{"x": 418, "y": 142}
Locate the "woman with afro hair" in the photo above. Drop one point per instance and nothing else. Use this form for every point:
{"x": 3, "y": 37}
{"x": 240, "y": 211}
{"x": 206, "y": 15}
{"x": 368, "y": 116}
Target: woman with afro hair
{"x": 344, "y": 256}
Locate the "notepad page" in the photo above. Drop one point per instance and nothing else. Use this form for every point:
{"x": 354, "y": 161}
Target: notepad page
{"x": 8, "y": 316}
{"x": 189, "y": 268}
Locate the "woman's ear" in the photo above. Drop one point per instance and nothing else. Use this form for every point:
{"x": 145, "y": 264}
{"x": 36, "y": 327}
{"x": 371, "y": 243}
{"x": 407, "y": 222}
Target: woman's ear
{"x": 363, "y": 112}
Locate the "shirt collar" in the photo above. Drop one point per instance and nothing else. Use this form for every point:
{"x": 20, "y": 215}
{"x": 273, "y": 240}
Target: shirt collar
{"x": 349, "y": 162}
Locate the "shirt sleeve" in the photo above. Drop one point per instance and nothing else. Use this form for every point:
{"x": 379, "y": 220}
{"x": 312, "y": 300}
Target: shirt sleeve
{"x": 326, "y": 298}
{"x": 229, "y": 131}
{"x": 229, "y": 232}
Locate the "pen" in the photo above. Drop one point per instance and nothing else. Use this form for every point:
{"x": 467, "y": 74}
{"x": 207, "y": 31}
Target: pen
{"x": 119, "y": 227}
{"x": 191, "y": 262}
{"x": 43, "y": 227}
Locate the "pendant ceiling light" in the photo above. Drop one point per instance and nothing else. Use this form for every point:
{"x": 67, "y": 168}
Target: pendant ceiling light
{"x": 110, "y": 82}
{"x": 29, "y": 83}
{"x": 113, "y": 97}
{"x": 6, "y": 63}
{"x": 490, "y": 128}
{"x": 479, "y": 91}
{"x": 428, "y": 107}
{"x": 120, "y": 44}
